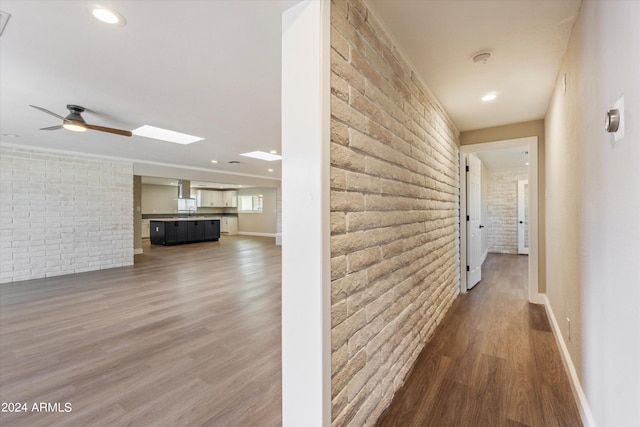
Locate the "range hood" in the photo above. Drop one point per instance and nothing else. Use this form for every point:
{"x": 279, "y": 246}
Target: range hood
{"x": 184, "y": 189}
{"x": 185, "y": 202}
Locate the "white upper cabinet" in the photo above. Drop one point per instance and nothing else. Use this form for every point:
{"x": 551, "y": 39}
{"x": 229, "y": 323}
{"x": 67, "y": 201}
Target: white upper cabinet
{"x": 230, "y": 199}
{"x": 209, "y": 199}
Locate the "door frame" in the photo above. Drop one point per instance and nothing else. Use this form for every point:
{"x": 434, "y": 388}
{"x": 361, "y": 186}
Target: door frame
{"x": 474, "y": 269}
{"x": 522, "y": 208}
{"x": 530, "y": 142}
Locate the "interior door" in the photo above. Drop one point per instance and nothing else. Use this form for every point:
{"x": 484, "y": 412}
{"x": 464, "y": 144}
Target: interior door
{"x": 523, "y": 216}
{"x": 474, "y": 240}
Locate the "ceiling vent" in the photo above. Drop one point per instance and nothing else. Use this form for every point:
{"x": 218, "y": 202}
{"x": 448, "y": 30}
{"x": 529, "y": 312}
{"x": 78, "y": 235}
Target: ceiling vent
{"x": 481, "y": 57}
{"x": 234, "y": 162}
{"x": 4, "y": 18}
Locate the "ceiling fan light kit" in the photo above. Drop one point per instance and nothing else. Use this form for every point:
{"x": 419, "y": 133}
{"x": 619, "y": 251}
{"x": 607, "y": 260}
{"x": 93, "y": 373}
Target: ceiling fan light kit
{"x": 74, "y": 121}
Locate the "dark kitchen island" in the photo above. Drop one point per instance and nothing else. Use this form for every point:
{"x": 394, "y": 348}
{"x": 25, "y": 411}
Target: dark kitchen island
{"x": 176, "y": 231}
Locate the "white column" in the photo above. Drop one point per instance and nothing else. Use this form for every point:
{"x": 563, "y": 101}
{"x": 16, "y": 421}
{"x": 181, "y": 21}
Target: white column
{"x": 306, "y": 275}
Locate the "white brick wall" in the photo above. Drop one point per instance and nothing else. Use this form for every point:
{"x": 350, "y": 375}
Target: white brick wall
{"x": 63, "y": 214}
{"x": 394, "y": 216}
{"x": 502, "y": 209}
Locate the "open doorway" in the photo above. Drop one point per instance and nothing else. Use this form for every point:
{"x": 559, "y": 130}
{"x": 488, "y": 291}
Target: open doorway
{"x": 502, "y": 165}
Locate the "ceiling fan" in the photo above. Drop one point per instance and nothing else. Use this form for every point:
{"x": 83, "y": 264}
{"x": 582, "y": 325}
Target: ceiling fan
{"x": 76, "y": 123}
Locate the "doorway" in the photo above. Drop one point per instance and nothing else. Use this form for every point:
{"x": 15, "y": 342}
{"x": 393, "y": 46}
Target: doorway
{"x": 529, "y": 145}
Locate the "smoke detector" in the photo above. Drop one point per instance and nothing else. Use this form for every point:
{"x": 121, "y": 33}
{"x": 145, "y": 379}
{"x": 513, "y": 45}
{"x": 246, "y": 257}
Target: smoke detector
{"x": 481, "y": 57}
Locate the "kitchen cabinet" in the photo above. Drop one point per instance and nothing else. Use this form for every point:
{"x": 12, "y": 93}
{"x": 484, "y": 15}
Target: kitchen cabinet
{"x": 178, "y": 231}
{"x": 168, "y": 233}
{"x": 209, "y": 199}
{"x": 195, "y": 231}
{"x": 211, "y": 229}
{"x": 230, "y": 199}
{"x": 229, "y": 225}
{"x": 145, "y": 229}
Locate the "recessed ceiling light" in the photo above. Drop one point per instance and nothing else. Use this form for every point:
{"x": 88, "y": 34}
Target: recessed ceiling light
{"x": 273, "y": 152}
{"x": 527, "y": 164}
{"x": 262, "y": 156}
{"x": 106, "y": 15}
{"x": 489, "y": 97}
{"x": 270, "y": 170}
{"x": 214, "y": 161}
{"x": 165, "y": 135}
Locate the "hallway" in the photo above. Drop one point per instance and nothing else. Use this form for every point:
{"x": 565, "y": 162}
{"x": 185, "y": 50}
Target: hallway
{"x": 492, "y": 362}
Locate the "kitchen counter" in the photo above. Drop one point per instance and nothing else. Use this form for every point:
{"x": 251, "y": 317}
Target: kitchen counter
{"x": 191, "y": 218}
{"x": 176, "y": 231}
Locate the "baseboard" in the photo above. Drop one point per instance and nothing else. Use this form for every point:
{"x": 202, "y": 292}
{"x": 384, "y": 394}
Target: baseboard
{"x": 251, "y": 233}
{"x": 576, "y": 387}
{"x": 137, "y": 251}
{"x": 538, "y": 299}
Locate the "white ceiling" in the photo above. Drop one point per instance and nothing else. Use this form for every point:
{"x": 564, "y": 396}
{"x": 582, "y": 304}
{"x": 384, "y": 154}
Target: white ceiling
{"x": 212, "y": 69}
{"x": 528, "y": 39}
{"x": 507, "y": 158}
{"x": 207, "y": 68}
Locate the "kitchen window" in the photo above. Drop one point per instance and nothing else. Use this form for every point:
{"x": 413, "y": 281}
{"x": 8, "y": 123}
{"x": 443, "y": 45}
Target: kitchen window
{"x": 250, "y": 204}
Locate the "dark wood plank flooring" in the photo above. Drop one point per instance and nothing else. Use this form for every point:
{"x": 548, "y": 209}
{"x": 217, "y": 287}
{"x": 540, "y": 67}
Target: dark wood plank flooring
{"x": 492, "y": 362}
{"x": 188, "y": 336}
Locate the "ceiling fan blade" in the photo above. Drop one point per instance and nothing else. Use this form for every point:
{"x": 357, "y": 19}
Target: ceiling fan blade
{"x": 52, "y": 127}
{"x": 44, "y": 110}
{"x": 110, "y": 130}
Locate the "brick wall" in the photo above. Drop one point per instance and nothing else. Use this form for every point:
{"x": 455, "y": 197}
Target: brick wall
{"x": 63, "y": 214}
{"x": 502, "y": 209}
{"x": 394, "y": 215}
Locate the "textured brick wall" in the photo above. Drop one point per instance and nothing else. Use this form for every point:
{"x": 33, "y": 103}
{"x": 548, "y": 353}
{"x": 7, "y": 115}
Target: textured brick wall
{"x": 394, "y": 216}
{"x": 63, "y": 214}
{"x": 502, "y": 209}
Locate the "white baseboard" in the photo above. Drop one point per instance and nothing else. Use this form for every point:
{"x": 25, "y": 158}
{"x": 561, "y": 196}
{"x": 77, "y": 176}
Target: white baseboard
{"x": 576, "y": 387}
{"x": 137, "y": 251}
{"x": 538, "y": 299}
{"x": 251, "y": 233}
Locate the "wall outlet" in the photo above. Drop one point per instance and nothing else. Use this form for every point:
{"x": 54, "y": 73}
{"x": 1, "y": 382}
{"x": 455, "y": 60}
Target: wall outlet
{"x": 568, "y": 329}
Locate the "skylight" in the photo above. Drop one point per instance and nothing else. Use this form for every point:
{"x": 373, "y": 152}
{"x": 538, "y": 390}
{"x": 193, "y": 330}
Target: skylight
{"x": 165, "y": 135}
{"x": 263, "y": 156}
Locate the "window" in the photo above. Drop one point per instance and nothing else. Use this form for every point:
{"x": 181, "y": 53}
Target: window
{"x": 250, "y": 204}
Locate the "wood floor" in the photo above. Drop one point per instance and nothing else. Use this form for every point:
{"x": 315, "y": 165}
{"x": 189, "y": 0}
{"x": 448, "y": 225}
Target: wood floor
{"x": 188, "y": 336}
{"x": 492, "y": 362}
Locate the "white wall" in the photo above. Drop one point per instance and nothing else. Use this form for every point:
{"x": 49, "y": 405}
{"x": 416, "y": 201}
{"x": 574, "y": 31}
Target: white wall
{"x": 259, "y": 223}
{"x": 279, "y": 216}
{"x": 593, "y": 206}
{"x": 306, "y": 275}
{"x": 159, "y": 199}
{"x": 63, "y": 214}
